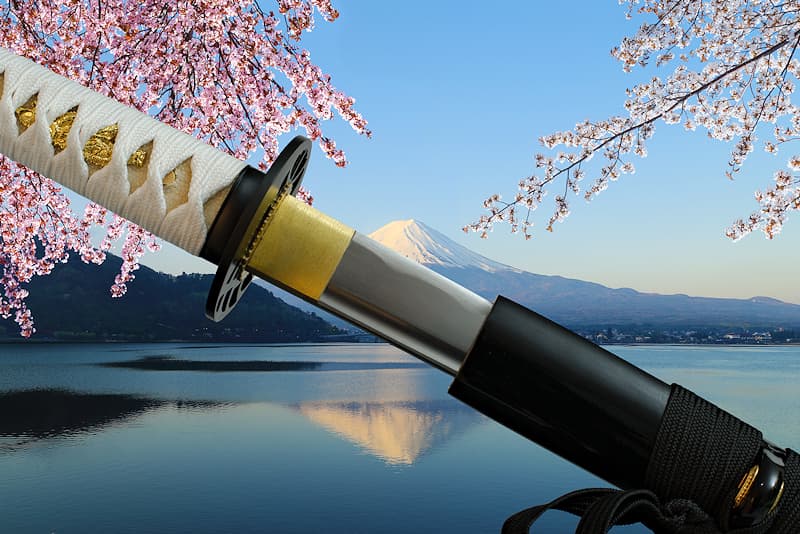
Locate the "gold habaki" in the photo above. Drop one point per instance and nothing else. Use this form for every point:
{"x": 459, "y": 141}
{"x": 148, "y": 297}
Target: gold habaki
{"x": 300, "y": 248}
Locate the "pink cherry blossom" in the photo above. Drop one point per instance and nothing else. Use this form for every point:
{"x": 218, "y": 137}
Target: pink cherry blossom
{"x": 226, "y": 71}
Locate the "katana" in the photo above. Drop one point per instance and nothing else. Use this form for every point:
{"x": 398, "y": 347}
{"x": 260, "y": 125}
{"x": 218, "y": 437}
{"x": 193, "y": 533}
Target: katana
{"x": 519, "y": 368}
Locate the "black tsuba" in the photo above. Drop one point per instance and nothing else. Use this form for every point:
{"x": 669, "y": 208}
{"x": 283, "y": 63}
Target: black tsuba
{"x": 253, "y": 196}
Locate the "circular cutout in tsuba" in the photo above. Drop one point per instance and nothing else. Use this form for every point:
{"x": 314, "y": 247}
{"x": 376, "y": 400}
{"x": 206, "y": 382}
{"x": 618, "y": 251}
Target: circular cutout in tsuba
{"x": 252, "y": 198}
{"x": 231, "y": 290}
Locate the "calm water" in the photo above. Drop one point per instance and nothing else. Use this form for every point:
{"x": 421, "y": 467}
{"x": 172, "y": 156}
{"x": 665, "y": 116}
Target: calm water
{"x": 365, "y": 440}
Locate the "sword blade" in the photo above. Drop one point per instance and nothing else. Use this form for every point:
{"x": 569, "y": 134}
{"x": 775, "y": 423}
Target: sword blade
{"x": 209, "y": 204}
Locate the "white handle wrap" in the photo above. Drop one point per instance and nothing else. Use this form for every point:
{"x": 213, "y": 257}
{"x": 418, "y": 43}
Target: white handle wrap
{"x": 183, "y": 224}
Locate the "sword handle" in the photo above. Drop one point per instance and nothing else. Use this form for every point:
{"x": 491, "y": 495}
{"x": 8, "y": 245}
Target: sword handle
{"x": 160, "y": 178}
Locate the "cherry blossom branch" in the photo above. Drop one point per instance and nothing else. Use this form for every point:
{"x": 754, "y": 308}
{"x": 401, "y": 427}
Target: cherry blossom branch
{"x": 746, "y": 37}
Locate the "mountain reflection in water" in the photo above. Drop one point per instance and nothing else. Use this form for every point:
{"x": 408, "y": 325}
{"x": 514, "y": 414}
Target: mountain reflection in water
{"x": 346, "y": 447}
{"x": 397, "y": 432}
{"x": 38, "y": 414}
{"x": 170, "y": 363}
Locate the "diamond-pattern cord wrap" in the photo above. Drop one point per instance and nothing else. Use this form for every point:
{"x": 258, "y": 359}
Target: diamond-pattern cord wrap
{"x": 699, "y": 455}
{"x": 164, "y": 180}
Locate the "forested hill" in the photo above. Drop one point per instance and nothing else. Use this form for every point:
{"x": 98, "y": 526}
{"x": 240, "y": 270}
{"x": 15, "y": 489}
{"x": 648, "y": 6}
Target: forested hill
{"x": 74, "y": 304}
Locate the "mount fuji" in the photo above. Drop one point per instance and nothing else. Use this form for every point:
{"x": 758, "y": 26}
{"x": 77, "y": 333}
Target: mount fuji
{"x": 577, "y": 303}
{"x": 423, "y": 244}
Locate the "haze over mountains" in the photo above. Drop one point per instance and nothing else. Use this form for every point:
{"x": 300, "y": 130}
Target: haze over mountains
{"x": 578, "y": 303}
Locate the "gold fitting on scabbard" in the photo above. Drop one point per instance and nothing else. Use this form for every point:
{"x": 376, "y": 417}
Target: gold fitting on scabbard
{"x": 299, "y": 248}
{"x": 760, "y": 490}
{"x": 745, "y": 485}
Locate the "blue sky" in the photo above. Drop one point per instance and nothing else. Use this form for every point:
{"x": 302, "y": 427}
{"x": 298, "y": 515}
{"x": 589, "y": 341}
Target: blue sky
{"x": 457, "y": 94}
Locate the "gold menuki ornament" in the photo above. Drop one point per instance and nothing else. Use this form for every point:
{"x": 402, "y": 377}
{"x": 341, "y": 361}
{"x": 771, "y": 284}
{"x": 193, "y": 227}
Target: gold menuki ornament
{"x": 99, "y": 147}
{"x": 26, "y": 113}
{"x": 138, "y": 158}
{"x": 170, "y": 178}
{"x": 59, "y": 130}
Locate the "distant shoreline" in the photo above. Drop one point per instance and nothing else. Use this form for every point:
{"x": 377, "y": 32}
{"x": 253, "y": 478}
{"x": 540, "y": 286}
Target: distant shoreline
{"x": 169, "y": 363}
{"x": 158, "y": 363}
{"x": 190, "y": 344}
{"x": 199, "y": 344}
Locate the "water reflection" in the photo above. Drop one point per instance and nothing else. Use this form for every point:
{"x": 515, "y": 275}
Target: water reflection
{"x": 33, "y": 415}
{"x": 170, "y": 363}
{"x": 398, "y": 432}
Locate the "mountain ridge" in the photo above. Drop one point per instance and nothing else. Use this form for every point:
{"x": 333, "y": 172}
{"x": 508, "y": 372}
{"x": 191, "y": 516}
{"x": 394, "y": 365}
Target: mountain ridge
{"x": 579, "y": 303}
{"x": 73, "y": 303}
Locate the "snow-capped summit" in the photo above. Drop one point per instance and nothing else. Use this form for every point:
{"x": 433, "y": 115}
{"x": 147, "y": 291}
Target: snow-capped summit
{"x": 572, "y": 302}
{"x": 423, "y": 244}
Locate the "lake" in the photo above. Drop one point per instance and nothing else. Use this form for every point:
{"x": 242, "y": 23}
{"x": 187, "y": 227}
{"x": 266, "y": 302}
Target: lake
{"x": 340, "y": 438}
